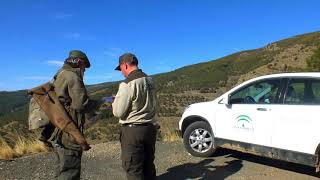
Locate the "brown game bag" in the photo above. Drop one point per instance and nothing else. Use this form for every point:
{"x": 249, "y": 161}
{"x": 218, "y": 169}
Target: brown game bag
{"x": 46, "y": 97}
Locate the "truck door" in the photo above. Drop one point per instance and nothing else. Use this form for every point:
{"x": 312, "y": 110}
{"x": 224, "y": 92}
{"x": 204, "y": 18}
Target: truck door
{"x": 298, "y": 122}
{"x": 248, "y": 118}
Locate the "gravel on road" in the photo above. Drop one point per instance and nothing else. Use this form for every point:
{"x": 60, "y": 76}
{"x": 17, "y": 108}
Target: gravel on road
{"x": 172, "y": 162}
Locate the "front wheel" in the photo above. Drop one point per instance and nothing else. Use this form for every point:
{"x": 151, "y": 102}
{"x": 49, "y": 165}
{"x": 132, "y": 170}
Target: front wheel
{"x": 199, "y": 140}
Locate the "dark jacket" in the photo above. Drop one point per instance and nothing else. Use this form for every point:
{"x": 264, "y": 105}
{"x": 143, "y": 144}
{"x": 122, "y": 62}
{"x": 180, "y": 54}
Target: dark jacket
{"x": 71, "y": 91}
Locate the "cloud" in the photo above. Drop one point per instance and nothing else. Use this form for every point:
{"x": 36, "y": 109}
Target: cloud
{"x": 106, "y": 77}
{"x": 62, "y": 15}
{"x": 36, "y": 78}
{"x": 89, "y": 38}
{"x": 163, "y": 66}
{"x": 73, "y": 36}
{"x": 236, "y": 49}
{"x": 113, "y": 52}
{"x": 78, "y": 36}
{"x": 55, "y": 63}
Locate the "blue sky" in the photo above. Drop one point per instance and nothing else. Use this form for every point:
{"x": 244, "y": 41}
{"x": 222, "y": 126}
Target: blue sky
{"x": 36, "y": 36}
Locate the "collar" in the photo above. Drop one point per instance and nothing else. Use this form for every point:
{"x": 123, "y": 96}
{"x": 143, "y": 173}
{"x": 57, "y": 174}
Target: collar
{"x": 67, "y": 67}
{"x": 135, "y": 74}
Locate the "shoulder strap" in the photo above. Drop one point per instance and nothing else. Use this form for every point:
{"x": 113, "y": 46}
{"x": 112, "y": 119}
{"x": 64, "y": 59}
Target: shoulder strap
{"x": 56, "y": 75}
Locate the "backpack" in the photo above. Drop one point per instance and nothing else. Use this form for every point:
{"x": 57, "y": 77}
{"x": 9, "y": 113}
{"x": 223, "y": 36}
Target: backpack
{"x": 37, "y": 117}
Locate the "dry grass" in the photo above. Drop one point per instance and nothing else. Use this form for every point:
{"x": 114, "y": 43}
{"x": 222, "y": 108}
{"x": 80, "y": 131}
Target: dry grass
{"x": 36, "y": 146}
{"x": 105, "y": 131}
{"x": 6, "y": 152}
{"x": 169, "y": 135}
{"x": 16, "y": 145}
{"x": 21, "y": 146}
{"x": 169, "y": 129}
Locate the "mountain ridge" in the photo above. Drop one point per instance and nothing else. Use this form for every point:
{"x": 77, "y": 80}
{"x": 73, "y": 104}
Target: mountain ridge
{"x": 204, "y": 80}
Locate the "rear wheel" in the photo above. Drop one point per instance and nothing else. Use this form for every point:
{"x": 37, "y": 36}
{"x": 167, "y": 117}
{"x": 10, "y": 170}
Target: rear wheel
{"x": 199, "y": 140}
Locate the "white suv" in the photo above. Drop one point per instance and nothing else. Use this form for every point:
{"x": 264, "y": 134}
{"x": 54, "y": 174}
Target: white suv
{"x": 276, "y": 116}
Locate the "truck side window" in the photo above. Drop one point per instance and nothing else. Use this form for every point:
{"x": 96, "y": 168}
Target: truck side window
{"x": 262, "y": 92}
{"x": 295, "y": 92}
{"x": 314, "y": 96}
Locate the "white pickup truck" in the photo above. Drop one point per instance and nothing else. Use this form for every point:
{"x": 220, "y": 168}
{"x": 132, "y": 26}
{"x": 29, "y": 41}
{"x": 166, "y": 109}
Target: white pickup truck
{"x": 276, "y": 116}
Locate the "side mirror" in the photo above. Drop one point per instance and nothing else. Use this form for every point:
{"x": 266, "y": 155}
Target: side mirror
{"x": 225, "y": 100}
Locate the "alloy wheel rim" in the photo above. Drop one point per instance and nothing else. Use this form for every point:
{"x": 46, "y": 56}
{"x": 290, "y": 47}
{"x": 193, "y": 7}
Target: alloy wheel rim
{"x": 200, "y": 140}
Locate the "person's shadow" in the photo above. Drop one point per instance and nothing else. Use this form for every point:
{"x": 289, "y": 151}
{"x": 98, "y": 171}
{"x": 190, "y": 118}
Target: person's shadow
{"x": 202, "y": 170}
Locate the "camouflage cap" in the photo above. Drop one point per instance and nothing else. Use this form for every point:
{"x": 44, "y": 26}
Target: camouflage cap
{"x": 128, "y": 58}
{"x": 81, "y": 55}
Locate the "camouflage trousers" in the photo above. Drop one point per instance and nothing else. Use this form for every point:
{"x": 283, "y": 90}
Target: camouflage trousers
{"x": 137, "y": 151}
{"x": 68, "y": 164}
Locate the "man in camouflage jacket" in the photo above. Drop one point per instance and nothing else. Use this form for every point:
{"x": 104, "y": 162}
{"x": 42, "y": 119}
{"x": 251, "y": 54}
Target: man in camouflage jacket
{"x": 71, "y": 91}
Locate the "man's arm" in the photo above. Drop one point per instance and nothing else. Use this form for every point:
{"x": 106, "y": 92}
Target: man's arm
{"x": 122, "y": 101}
{"x": 78, "y": 94}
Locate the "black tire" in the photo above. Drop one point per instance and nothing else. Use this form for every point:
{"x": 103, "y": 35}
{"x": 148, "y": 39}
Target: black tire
{"x": 194, "y": 142}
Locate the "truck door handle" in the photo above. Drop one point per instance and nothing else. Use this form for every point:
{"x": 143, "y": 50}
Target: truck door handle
{"x": 261, "y": 109}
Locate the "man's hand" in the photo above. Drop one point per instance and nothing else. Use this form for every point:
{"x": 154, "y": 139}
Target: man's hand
{"x": 85, "y": 146}
{"x": 106, "y": 102}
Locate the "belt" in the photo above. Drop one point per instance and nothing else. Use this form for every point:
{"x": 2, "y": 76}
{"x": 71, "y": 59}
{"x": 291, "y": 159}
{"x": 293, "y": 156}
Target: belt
{"x": 135, "y": 125}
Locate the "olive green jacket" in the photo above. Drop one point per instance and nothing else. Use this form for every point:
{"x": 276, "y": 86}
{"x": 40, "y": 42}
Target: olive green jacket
{"x": 71, "y": 91}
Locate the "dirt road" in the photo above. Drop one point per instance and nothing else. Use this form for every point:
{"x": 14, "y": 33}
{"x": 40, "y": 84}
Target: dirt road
{"x": 172, "y": 162}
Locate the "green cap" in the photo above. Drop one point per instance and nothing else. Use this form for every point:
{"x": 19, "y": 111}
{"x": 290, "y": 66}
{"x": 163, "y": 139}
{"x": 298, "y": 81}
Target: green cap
{"x": 81, "y": 55}
{"x": 128, "y": 58}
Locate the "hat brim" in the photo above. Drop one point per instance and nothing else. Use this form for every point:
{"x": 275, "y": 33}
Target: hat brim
{"x": 118, "y": 68}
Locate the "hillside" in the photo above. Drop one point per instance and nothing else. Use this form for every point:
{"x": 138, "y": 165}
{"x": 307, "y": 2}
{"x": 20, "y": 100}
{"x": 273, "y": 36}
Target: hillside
{"x": 12, "y": 101}
{"x": 203, "y": 81}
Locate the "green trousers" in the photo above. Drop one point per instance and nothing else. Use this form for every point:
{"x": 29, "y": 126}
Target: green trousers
{"x": 68, "y": 164}
{"x": 137, "y": 152}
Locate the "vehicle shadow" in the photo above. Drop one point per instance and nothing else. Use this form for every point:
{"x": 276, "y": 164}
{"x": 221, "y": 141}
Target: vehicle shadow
{"x": 298, "y": 168}
{"x": 202, "y": 170}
